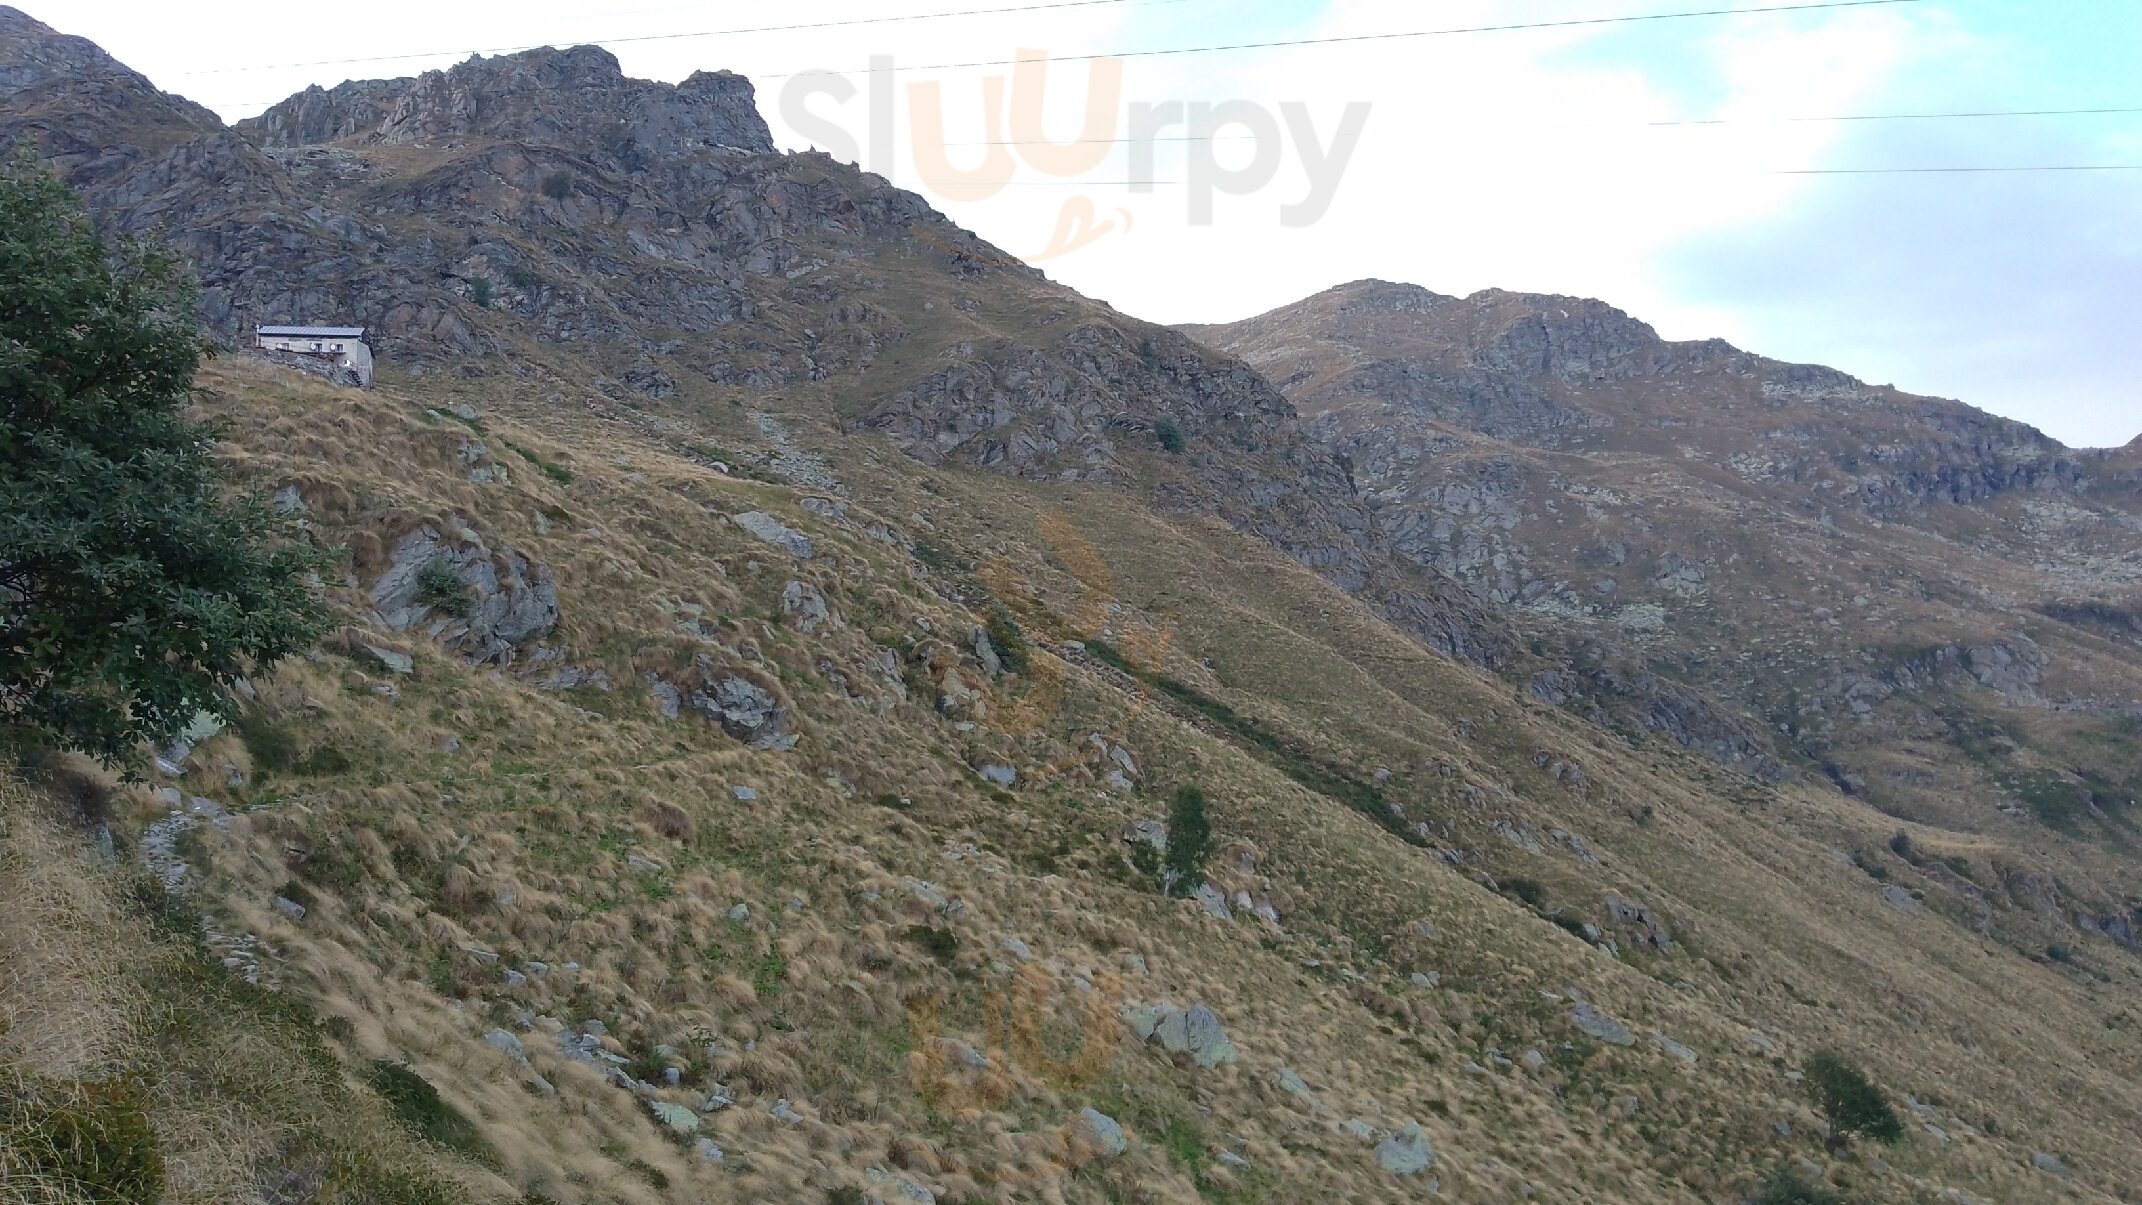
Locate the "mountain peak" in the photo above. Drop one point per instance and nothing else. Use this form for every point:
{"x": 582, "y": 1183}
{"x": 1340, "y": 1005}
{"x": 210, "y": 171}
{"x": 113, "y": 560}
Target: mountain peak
{"x": 1389, "y": 296}
{"x": 60, "y": 84}
{"x": 578, "y": 97}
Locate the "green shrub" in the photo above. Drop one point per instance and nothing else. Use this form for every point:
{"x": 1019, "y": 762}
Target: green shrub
{"x": 1169, "y": 435}
{"x": 1528, "y": 892}
{"x": 272, "y": 744}
{"x": 1190, "y": 843}
{"x": 480, "y": 291}
{"x": 1850, "y": 1102}
{"x": 770, "y": 977}
{"x": 93, "y": 1136}
{"x": 1787, "y": 1186}
{"x": 1007, "y": 639}
{"x": 441, "y": 588}
{"x": 416, "y": 1104}
{"x": 558, "y": 185}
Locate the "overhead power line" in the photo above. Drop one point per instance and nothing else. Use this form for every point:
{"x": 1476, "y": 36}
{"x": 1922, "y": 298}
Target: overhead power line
{"x": 1402, "y": 35}
{"x": 1914, "y": 171}
{"x": 1723, "y": 121}
{"x": 677, "y": 37}
{"x": 1289, "y": 43}
{"x": 1710, "y": 121}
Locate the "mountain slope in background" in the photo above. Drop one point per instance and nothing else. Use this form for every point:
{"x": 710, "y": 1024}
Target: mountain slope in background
{"x": 756, "y": 810}
{"x": 1880, "y": 579}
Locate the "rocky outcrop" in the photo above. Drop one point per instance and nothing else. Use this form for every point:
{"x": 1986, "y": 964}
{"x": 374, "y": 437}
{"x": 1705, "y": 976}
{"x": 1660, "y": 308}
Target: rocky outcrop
{"x": 483, "y": 604}
{"x": 577, "y": 98}
{"x": 1625, "y": 697}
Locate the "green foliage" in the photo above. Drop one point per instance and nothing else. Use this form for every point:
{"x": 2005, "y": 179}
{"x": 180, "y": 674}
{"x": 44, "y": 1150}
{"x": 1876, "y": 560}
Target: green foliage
{"x": 524, "y": 279}
{"x": 441, "y": 589}
{"x": 92, "y": 1136}
{"x": 770, "y": 976}
{"x": 417, "y": 1104}
{"x": 1169, "y": 435}
{"x": 1786, "y": 1186}
{"x": 551, "y": 469}
{"x": 1145, "y": 859}
{"x": 273, "y": 744}
{"x": 134, "y": 587}
{"x": 1010, "y": 642}
{"x": 1850, "y": 1102}
{"x": 1528, "y": 892}
{"x": 1190, "y": 843}
{"x": 480, "y": 291}
{"x": 558, "y": 185}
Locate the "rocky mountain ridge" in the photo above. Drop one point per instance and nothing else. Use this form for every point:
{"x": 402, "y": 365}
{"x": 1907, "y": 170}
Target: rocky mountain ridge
{"x": 1830, "y": 554}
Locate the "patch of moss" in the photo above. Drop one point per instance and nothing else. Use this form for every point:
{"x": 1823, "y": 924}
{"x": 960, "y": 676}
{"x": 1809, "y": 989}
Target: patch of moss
{"x": 419, "y": 1106}
{"x": 93, "y": 1136}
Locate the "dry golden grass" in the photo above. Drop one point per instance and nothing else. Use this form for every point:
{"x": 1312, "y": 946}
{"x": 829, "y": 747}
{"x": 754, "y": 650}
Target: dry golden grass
{"x": 473, "y": 816}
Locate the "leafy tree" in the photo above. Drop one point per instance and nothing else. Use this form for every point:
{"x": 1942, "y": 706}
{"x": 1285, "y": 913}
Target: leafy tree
{"x": 1852, "y": 1103}
{"x": 1190, "y": 843}
{"x": 133, "y": 585}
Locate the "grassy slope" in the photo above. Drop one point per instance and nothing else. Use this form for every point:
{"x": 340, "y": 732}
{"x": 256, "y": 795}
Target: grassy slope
{"x": 470, "y": 811}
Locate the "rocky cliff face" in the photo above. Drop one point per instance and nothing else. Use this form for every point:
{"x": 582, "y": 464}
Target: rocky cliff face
{"x": 575, "y": 99}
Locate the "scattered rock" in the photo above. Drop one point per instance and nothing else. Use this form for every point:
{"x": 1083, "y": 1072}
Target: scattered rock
{"x": 1215, "y": 905}
{"x": 745, "y": 710}
{"x": 1194, "y": 1031}
{"x": 1599, "y": 1025}
{"x": 1407, "y": 1152}
{"x": 777, "y": 533}
{"x": 394, "y": 661}
{"x": 1097, "y": 1134}
{"x": 901, "y": 1188}
{"x": 1676, "y": 1049}
{"x": 677, "y": 1118}
{"x": 805, "y": 608}
{"x": 507, "y": 1044}
{"x": 2051, "y": 1165}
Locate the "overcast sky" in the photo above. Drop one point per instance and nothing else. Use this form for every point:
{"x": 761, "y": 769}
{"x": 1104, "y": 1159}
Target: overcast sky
{"x": 1543, "y": 160}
